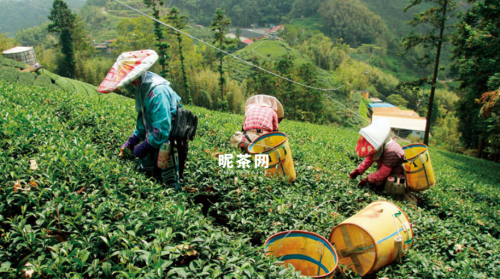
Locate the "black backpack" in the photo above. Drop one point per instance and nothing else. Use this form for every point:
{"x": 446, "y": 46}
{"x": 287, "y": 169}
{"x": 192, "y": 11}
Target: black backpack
{"x": 184, "y": 125}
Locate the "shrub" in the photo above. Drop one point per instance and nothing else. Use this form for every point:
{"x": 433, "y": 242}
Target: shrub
{"x": 10, "y": 74}
{"x": 65, "y": 84}
{"x": 43, "y": 80}
{"x": 12, "y": 63}
{"x": 26, "y": 78}
{"x": 86, "y": 212}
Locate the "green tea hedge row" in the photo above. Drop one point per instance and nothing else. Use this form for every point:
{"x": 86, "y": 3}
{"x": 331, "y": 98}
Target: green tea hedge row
{"x": 43, "y": 80}
{"x": 9, "y": 74}
{"x": 91, "y": 215}
{"x": 26, "y": 78}
{"x": 85, "y": 213}
{"x": 11, "y": 63}
{"x": 445, "y": 245}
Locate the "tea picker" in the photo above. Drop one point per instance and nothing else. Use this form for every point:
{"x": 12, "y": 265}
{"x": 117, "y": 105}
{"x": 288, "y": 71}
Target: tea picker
{"x": 260, "y": 136}
{"x": 263, "y": 113}
{"x": 162, "y": 125}
{"x": 376, "y": 145}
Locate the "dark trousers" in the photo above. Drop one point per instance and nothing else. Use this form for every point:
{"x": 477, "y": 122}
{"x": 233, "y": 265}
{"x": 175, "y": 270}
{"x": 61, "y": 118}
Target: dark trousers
{"x": 174, "y": 172}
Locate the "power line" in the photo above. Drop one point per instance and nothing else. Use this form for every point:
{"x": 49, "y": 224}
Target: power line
{"x": 29, "y": 4}
{"x": 248, "y": 63}
{"x": 227, "y": 53}
{"x": 355, "y": 113}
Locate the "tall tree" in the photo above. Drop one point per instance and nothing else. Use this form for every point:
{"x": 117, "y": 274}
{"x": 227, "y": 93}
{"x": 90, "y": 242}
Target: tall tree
{"x": 437, "y": 16}
{"x": 287, "y": 91}
{"x": 352, "y": 21}
{"x": 220, "y": 27}
{"x": 262, "y": 82}
{"x": 63, "y": 22}
{"x": 490, "y": 111}
{"x": 162, "y": 44}
{"x": 309, "y": 100}
{"x": 476, "y": 61}
{"x": 180, "y": 22}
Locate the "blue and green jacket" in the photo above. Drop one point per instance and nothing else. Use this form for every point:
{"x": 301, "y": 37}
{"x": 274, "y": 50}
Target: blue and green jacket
{"x": 156, "y": 104}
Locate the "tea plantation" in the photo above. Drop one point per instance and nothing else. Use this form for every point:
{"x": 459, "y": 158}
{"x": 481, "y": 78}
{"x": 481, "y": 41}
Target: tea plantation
{"x": 71, "y": 208}
{"x": 12, "y": 71}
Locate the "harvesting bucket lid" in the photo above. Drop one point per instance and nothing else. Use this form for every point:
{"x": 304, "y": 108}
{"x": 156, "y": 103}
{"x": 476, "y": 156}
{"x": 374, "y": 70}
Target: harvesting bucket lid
{"x": 128, "y": 67}
{"x": 308, "y": 252}
{"x": 282, "y": 138}
{"x": 265, "y": 100}
{"x": 417, "y": 148}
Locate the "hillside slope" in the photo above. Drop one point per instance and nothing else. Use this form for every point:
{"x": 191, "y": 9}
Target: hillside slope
{"x": 16, "y": 14}
{"x": 83, "y": 210}
{"x": 17, "y": 72}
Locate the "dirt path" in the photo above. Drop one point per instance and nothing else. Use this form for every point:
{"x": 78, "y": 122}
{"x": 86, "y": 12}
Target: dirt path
{"x": 103, "y": 10}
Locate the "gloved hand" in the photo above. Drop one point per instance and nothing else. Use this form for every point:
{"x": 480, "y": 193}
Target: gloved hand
{"x": 130, "y": 144}
{"x": 354, "y": 174}
{"x": 143, "y": 149}
{"x": 363, "y": 182}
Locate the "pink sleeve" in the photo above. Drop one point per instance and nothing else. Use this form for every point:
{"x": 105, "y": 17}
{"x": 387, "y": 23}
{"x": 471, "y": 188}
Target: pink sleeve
{"x": 275, "y": 122}
{"x": 368, "y": 162}
{"x": 380, "y": 175}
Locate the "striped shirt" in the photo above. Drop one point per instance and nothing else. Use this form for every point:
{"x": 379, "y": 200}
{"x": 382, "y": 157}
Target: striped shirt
{"x": 389, "y": 164}
{"x": 261, "y": 118}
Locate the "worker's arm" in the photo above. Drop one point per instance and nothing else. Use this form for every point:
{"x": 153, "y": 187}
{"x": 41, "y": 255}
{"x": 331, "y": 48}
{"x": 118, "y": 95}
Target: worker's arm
{"x": 393, "y": 155}
{"x": 161, "y": 109}
{"x": 380, "y": 175}
{"x": 367, "y": 162}
{"x": 275, "y": 122}
{"x": 140, "y": 130}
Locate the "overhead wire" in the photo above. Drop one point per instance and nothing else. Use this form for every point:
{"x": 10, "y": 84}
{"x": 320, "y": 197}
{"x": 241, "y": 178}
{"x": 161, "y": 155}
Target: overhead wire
{"x": 29, "y": 4}
{"x": 246, "y": 62}
{"x": 227, "y": 53}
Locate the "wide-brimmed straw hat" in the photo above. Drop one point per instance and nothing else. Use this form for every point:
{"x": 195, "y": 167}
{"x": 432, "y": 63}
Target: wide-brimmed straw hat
{"x": 266, "y": 100}
{"x": 128, "y": 67}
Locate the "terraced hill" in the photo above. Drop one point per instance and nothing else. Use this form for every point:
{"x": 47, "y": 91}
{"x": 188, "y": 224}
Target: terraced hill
{"x": 266, "y": 50}
{"x": 16, "y": 72}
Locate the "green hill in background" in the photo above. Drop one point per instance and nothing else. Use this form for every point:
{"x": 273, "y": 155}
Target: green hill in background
{"x": 16, "y": 15}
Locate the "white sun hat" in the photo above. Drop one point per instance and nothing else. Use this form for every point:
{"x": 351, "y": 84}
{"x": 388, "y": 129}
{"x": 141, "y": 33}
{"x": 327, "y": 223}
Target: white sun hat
{"x": 266, "y": 100}
{"x": 128, "y": 67}
{"x": 377, "y": 132}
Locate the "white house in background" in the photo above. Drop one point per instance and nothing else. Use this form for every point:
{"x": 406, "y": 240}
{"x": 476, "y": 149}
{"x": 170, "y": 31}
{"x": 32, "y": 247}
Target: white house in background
{"x": 404, "y": 125}
{"x": 403, "y": 122}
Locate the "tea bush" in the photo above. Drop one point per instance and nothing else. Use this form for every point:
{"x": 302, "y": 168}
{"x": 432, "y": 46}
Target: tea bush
{"x": 43, "y": 77}
{"x": 26, "y": 78}
{"x": 9, "y": 74}
{"x": 11, "y": 63}
{"x": 43, "y": 80}
{"x": 85, "y": 213}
